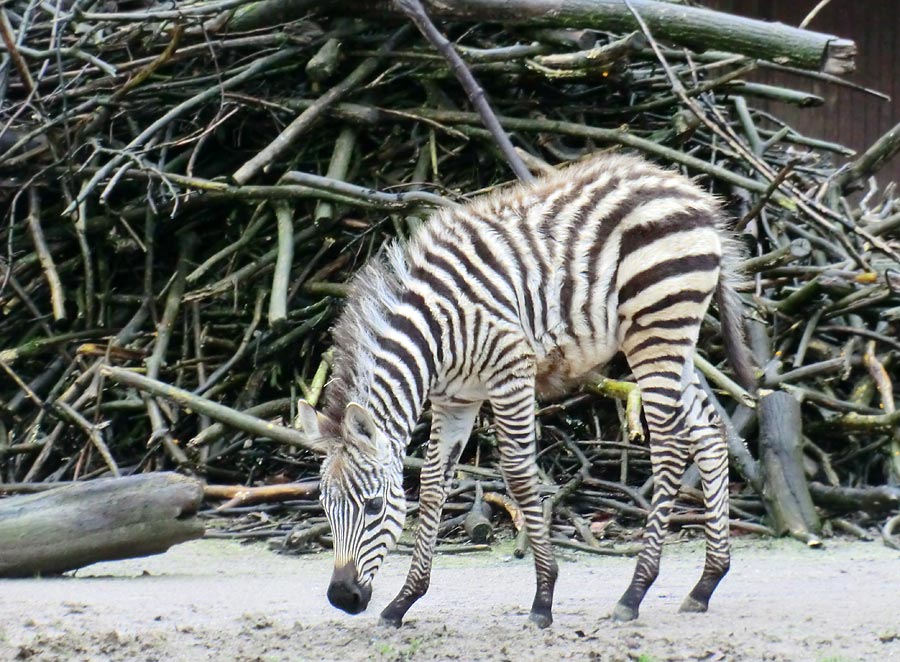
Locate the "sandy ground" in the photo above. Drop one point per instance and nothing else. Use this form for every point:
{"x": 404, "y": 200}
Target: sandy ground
{"x": 214, "y": 600}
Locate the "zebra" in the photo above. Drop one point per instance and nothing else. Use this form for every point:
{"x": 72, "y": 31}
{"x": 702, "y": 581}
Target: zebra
{"x": 527, "y": 291}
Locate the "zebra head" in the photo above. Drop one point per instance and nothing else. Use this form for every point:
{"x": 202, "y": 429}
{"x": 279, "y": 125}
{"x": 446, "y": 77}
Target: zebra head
{"x": 361, "y": 490}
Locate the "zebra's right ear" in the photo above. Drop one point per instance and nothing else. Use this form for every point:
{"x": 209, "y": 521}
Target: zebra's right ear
{"x": 308, "y": 421}
{"x": 359, "y": 427}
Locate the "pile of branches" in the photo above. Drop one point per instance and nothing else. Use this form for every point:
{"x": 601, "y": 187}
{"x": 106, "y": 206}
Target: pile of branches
{"x": 188, "y": 187}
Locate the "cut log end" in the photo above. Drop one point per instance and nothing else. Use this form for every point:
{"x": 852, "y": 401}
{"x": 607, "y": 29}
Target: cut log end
{"x": 840, "y": 57}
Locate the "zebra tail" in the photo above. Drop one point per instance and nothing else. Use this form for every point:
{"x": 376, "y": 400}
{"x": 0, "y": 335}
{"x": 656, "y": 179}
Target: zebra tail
{"x": 731, "y": 318}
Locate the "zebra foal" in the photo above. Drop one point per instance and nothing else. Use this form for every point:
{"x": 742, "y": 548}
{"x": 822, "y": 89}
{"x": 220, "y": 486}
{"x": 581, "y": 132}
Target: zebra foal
{"x": 529, "y": 290}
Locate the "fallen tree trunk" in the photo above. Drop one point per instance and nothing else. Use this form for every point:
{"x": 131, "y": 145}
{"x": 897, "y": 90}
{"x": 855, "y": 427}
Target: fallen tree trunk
{"x": 100, "y": 520}
{"x": 697, "y": 28}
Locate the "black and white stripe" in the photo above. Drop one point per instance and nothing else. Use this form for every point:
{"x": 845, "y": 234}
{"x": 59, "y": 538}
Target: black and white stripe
{"x": 530, "y": 289}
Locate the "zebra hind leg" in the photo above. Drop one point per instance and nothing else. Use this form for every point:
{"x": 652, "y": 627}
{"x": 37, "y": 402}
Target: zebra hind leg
{"x": 712, "y": 460}
{"x": 668, "y": 464}
{"x": 660, "y": 325}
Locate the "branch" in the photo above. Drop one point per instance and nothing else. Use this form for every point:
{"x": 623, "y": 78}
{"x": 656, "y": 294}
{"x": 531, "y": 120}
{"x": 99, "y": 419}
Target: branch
{"x": 258, "y": 66}
{"x": 238, "y": 420}
{"x": 309, "y": 116}
{"x": 57, "y": 298}
{"x": 870, "y": 161}
{"x": 416, "y": 13}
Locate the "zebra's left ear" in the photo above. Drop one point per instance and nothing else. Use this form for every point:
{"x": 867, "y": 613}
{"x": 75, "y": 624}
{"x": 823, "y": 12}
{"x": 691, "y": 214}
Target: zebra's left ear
{"x": 307, "y": 420}
{"x": 359, "y": 427}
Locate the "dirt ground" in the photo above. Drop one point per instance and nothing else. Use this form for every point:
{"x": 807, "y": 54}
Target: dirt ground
{"x": 215, "y": 600}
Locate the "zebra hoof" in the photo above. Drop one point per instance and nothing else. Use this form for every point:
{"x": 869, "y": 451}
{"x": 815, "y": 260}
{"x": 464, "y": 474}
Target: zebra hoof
{"x": 390, "y": 621}
{"x": 541, "y": 619}
{"x": 624, "y": 613}
{"x": 692, "y": 605}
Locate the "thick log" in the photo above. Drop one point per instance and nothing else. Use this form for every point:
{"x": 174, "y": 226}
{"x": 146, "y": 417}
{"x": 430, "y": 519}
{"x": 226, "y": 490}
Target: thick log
{"x": 697, "y": 28}
{"x": 100, "y": 520}
{"x": 785, "y": 490}
{"x": 877, "y": 499}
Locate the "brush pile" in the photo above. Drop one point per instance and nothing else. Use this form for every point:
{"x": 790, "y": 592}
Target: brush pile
{"x": 187, "y": 187}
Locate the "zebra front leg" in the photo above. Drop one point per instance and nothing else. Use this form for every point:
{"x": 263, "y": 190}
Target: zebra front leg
{"x": 514, "y": 416}
{"x": 712, "y": 460}
{"x": 450, "y": 429}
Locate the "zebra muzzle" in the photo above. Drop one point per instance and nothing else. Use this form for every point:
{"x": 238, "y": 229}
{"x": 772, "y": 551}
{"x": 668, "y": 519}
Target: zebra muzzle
{"x": 345, "y": 592}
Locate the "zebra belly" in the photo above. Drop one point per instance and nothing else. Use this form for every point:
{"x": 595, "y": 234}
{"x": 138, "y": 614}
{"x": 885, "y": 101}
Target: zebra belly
{"x": 569, "y": 362}
{"x": 459, "y": 392}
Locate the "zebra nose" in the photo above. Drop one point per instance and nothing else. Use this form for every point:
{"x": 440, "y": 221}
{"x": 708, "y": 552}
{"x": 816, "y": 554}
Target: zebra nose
{"x": 345, "y": 591}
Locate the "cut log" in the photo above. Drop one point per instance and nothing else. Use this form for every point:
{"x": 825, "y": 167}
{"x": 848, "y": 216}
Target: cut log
{"x": 478, "y": 523}
{"x": 101, "y": 520}
{"x": 478, "y": 520}
{"x": 695, "y": 27}
{"x": 785, "y": 490}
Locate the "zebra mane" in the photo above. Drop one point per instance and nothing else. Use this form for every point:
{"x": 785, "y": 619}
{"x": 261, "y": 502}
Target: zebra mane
{"x": 374, "y": 293}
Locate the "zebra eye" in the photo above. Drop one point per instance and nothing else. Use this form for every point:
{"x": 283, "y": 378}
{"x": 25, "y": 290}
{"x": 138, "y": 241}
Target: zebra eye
{"x": 373, "y": 506}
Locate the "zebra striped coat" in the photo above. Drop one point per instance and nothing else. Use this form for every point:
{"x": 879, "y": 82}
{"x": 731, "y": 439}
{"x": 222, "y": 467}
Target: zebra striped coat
{"x": 525, "y": 291}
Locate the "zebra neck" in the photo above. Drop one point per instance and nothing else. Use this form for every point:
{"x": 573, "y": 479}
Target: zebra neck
{"x": 396, "y": 397}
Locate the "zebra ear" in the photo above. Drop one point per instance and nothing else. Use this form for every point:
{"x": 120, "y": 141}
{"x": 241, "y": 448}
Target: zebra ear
{"x": 308, "y": 421}
{"x": 359, "y": 426}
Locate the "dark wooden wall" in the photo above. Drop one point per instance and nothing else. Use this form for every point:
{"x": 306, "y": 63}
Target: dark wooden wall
{"x": 849, "y": 117}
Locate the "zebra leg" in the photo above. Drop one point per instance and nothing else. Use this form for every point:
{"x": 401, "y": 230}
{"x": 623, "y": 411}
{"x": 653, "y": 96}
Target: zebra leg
{"x": 658, "y": 363}
{"x": 659, "y": 322}
{"x": 712, "y": 460}
{"x": 450, "y": 429}
{"x": 668, "y": 461}
{"x": 514, "y": 416}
